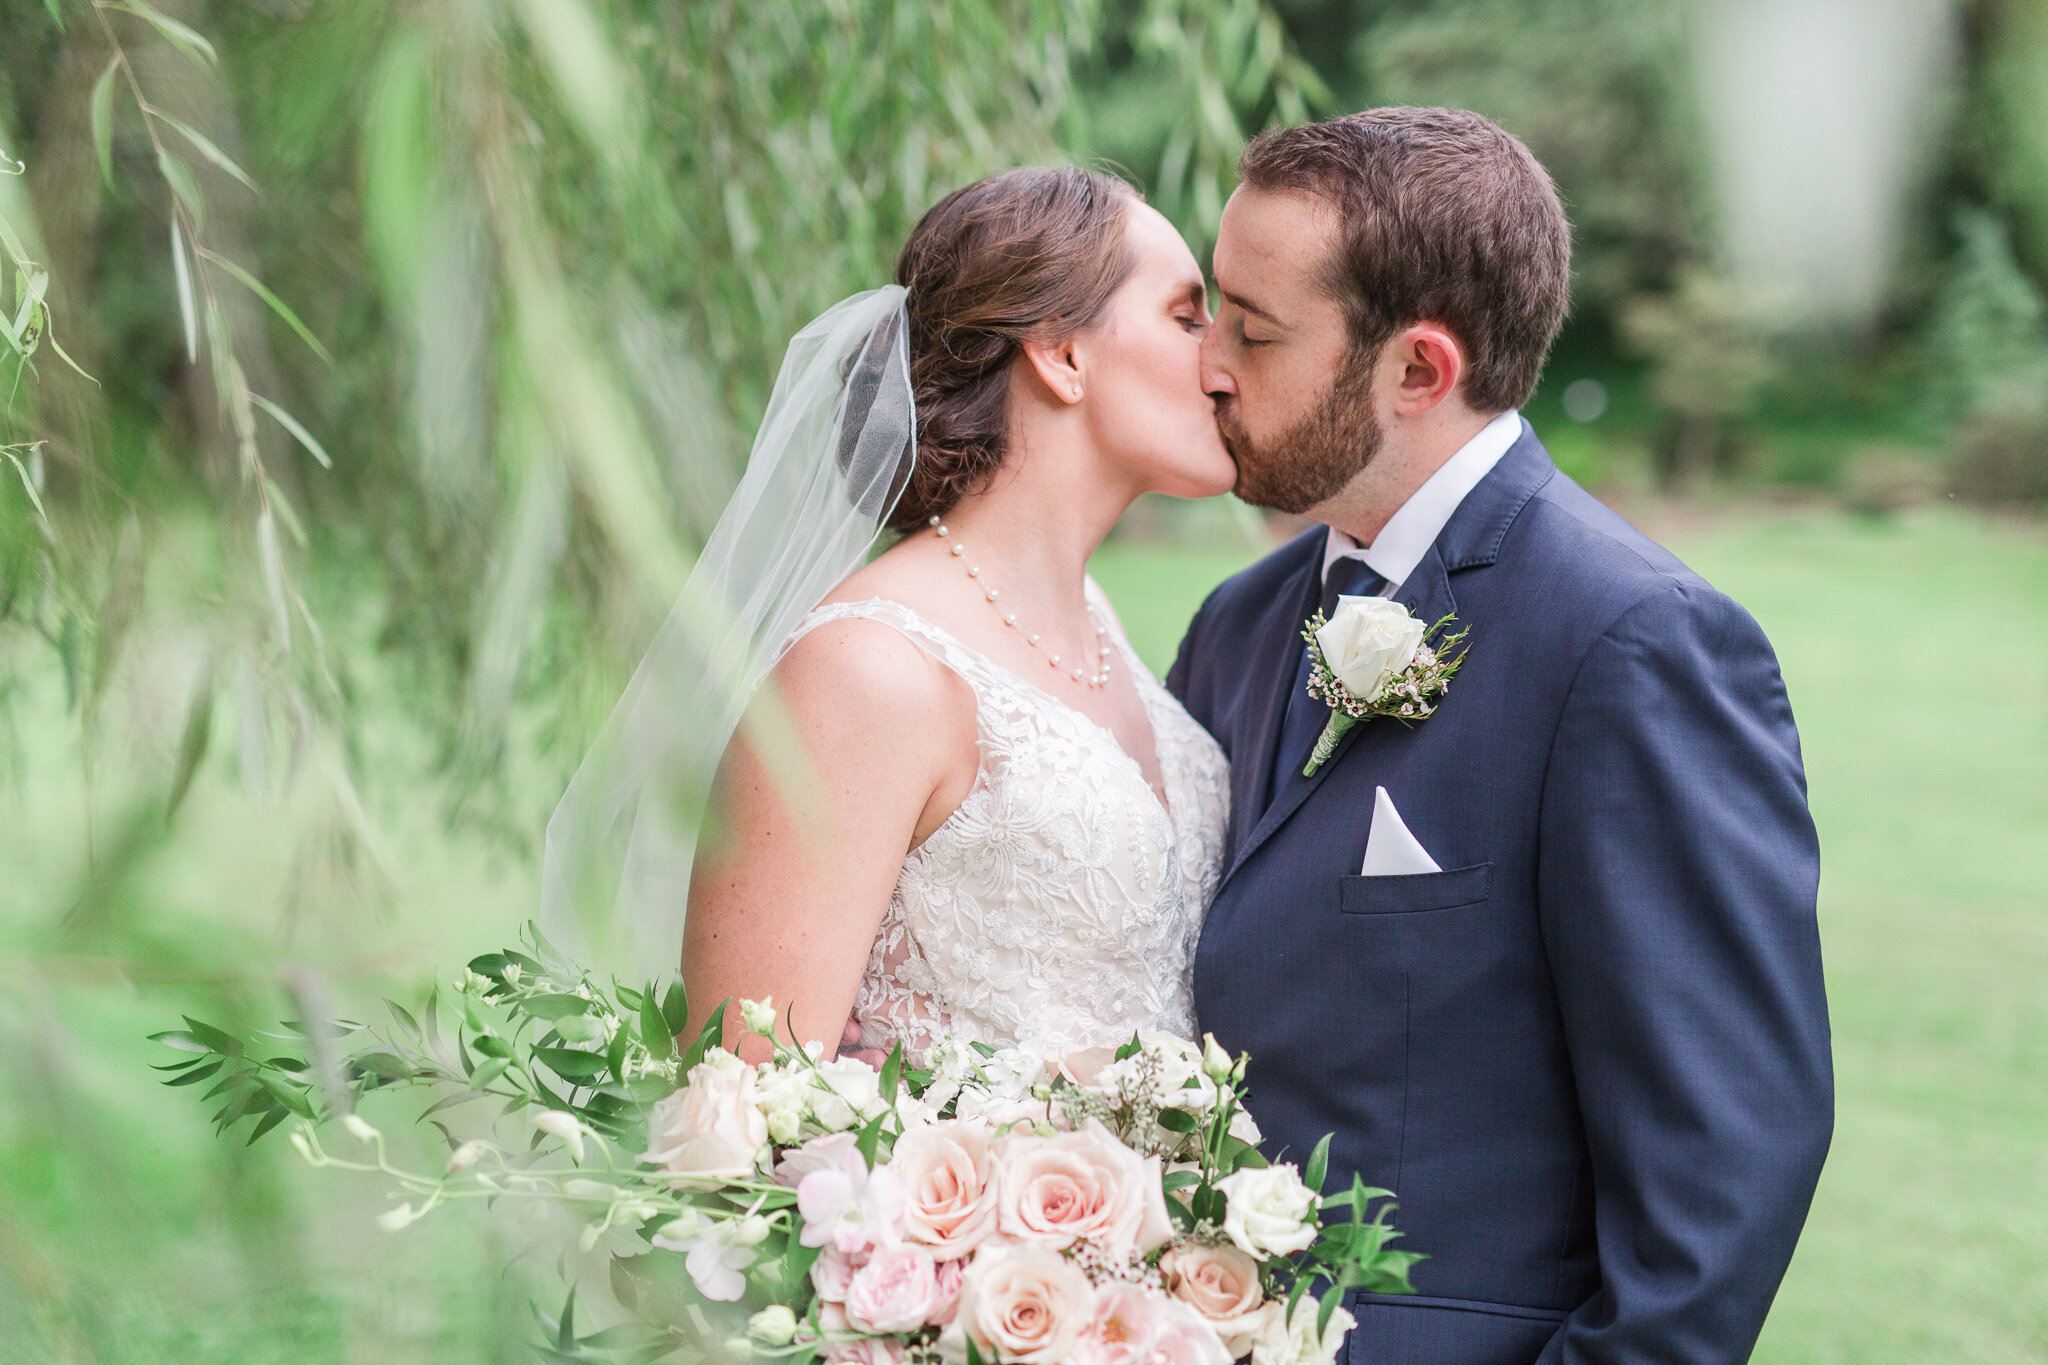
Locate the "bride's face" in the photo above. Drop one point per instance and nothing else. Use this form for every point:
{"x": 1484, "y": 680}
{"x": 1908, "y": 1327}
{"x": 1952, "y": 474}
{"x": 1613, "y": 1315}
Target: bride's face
{"x": 1142, "y": 365}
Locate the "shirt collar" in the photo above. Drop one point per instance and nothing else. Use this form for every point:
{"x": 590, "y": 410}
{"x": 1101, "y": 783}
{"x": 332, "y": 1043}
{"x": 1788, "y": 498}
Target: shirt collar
{"x": 1409, "y": 533}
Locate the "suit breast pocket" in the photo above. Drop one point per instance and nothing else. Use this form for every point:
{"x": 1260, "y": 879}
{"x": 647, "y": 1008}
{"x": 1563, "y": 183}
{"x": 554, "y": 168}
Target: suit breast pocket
{"x": 1412, "y": 895}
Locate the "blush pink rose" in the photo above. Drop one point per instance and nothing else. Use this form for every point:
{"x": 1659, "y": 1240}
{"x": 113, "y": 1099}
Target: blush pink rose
{"x": 1222, "y": 1284}
{"x": 711, "y": 1131}
{"x": 1126, "y": 1322}
{"x": 1083, "y": 1186}
{"x": 1184, "y": 1338}
{"x": 1026, "y": 1305}
{"x": 950, "y": 1275}
{"x": 832, "y": 1273}
{"x": 868, "y": 1351}
{"x": 896, "y": 1291}
{"x": 949, "y": 1175}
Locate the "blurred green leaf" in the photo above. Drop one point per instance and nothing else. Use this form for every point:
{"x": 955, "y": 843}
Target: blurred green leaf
{"x": 181, "y": 36}
{"x": 102, "y": 118}
{"x": 277, "y": 305}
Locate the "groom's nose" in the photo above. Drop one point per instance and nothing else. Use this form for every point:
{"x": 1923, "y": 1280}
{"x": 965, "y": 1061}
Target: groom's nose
{"x": 1217, "y": 381}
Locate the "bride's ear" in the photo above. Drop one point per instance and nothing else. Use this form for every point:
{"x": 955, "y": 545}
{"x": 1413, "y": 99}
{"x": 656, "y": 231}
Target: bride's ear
{"x": 1058, "y": 366}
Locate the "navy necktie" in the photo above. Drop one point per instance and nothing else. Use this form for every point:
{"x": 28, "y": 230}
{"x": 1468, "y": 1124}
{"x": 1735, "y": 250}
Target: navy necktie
{"x": 1305, "y": 716}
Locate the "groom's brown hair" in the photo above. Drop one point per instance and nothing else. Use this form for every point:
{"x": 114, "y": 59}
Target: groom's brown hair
{"x": 1447, "y": 218}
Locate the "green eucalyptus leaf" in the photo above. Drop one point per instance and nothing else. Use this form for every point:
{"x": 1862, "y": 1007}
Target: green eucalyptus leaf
{"x": 197, "y": 1074}
{"x": 226, "y": 1044}
{"x": 571, "y": 1064}
{"x": 654, "y": 1030}
{"x": 675, "y": 1007}
{"x": 1318, "y": 1167}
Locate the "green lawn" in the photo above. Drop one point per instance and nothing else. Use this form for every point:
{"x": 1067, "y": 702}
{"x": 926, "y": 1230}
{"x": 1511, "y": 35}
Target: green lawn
{"x": 129, "y": 1236}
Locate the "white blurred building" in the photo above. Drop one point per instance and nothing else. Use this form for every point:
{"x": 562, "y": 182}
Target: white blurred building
{"x": 1821, "y": 115}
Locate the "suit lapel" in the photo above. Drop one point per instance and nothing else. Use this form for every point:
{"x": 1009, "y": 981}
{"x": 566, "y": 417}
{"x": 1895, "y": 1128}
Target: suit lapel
{"x": 1275, "y": 651}
{"x": 1471, "y": 540}
{"x": 1427, "y": 595}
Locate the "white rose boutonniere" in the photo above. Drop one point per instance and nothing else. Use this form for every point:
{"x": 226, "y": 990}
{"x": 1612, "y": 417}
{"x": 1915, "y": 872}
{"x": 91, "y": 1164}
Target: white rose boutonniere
{"x": 1371, "y": 658}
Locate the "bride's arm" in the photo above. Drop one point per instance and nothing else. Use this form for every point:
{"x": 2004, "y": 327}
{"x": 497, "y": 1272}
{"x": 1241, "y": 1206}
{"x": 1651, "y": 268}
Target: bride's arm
{"x": 798, "y": 859}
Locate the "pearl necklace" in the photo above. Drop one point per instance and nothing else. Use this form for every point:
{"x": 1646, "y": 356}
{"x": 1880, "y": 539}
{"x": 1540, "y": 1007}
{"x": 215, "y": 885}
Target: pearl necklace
{"x": 1099, "y": 678}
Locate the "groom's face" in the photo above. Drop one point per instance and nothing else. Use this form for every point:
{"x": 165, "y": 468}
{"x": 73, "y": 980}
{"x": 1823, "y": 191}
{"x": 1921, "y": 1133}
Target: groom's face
{"x": 1293, "y": 396}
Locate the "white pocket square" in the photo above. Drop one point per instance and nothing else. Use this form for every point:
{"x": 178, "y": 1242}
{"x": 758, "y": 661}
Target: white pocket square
{"x": 1390, "y": 850}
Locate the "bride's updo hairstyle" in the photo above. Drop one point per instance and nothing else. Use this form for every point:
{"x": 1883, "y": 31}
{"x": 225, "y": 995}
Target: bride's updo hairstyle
{"x": 1028, "y": 255}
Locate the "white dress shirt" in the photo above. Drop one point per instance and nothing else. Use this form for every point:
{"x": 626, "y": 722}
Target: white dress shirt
{"x": 1409, "y": 533}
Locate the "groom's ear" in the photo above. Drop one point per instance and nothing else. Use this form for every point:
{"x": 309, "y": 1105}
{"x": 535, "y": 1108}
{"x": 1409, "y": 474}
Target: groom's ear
{"x": 1057, "y": 366}
{"x": 1424, "y": 363}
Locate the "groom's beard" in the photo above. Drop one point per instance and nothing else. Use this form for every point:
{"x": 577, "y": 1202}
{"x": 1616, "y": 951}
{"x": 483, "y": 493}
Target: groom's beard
{"x": 1312, "y": 461}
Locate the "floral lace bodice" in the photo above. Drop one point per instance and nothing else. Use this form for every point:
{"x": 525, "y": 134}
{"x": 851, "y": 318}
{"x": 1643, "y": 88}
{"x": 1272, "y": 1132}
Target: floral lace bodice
{"x": 1060, "y": 903}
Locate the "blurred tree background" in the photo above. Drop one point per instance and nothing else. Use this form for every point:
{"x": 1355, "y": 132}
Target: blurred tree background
{"x": 373, "y": 367}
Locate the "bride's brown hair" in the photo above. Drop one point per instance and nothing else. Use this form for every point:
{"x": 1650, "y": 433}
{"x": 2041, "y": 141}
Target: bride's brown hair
{"x": 1027, "y": 255}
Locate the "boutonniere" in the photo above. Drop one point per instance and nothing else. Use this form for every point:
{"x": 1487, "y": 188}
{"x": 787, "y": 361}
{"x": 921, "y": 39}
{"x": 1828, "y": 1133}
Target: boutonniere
{"x": 1374, "y": 659}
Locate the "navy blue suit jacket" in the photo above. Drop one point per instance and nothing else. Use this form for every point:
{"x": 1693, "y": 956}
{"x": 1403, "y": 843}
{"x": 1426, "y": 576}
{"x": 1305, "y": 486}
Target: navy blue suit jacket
{"x": 1591, "y": 1057}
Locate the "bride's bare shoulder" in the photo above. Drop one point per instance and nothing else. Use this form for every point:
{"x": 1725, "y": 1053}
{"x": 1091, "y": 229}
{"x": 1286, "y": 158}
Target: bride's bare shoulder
{"x": 863, "y": 669}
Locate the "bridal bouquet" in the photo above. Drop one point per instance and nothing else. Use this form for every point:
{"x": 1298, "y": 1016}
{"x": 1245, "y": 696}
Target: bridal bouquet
{"x": 979, "y": 1205}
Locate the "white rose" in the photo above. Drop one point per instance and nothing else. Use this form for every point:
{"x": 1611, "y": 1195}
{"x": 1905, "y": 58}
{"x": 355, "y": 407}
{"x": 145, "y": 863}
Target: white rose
{"x": 711, "y": 1130}
{"x": 1268, "y": 1212}
{"x": 1367, "y": 641}
{"x": 1294, "y": 1340}
{"x": 848, "y": 1093}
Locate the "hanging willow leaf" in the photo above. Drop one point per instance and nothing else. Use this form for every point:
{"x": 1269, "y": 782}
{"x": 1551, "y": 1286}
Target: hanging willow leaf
{"x": 187, "y": 308}
{"x": 186, "y": 39}
{"x": 273, "y": 577}
{"x": 103, "y": 119}
{"x": 207, "y": 147}
{"x": 277, "y": 305}
{"x": 291, "y": 424}
{"x": 179, "y": 176}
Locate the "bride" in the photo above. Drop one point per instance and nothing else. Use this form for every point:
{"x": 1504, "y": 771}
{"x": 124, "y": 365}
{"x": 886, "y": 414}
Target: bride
{"x": 1007, "y": 829}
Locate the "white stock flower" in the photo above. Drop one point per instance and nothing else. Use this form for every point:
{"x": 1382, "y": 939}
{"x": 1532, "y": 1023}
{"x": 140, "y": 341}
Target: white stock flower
{"x": 556, "y": 1123}
{"x": 1181, "y": 1080}
{"x": 1368, "y": 640}
{"x": 1295, "y": 1341}
{"x": 848, "y": 1206}
{"x": 759, "y": 1016}
{"x": 774, "y": 1325}
{"x": 716, "y": 1256}
{"x": 1269, "y": 1212}
{"x": 467, "y": 1155}
{"x": 785, "y": 1094}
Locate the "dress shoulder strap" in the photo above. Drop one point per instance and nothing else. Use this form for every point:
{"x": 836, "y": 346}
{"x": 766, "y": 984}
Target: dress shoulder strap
{"x": 934, "y": 641}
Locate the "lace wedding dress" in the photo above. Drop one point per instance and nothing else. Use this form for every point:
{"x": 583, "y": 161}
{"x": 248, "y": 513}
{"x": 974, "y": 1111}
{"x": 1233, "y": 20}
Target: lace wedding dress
{"x": 1060, "y": 903}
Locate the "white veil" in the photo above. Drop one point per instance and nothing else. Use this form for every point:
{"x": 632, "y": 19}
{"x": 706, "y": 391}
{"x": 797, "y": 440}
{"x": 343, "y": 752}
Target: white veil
{"x": 833, "y": 455}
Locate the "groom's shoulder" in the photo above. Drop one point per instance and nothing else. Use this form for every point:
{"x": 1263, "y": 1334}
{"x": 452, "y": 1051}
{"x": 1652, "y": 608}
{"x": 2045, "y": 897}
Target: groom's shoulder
{"x": 1594, "y": 569}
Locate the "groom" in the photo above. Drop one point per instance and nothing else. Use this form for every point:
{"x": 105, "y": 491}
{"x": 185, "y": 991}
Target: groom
{"x": 1546, "y": 962}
